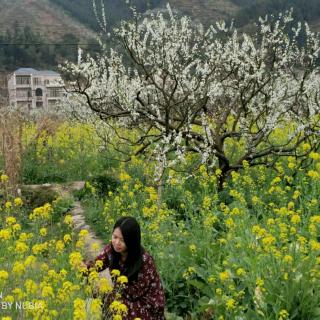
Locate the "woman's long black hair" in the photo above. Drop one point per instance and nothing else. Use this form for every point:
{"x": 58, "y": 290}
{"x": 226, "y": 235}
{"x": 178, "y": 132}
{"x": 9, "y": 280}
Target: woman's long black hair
{"x": 131, "y": 233}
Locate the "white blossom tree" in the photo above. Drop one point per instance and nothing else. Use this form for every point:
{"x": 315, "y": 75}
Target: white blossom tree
{"x": 186, "y": 89}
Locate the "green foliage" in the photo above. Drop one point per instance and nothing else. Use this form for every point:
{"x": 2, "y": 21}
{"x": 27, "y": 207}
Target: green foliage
{"x": 37, "y": 197}
{"x": 53, "y": 158}
{"x": 103, "y": 184}
{"x": 34, "y": 173}
{"x": 93, "y": 208}
{"x": 60, "y": 207}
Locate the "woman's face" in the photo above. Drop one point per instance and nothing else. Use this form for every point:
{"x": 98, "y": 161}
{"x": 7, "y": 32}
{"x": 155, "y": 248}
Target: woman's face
{"x": 118, "y": 242}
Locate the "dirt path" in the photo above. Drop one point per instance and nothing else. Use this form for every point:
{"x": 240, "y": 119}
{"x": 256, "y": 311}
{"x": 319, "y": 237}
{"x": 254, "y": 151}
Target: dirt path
{"x": 93, "y": 244}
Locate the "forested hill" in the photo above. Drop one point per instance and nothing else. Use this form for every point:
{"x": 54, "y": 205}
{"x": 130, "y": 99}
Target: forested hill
{"x": 303, "y": 10}
{"x": 207, "y": 11}
{"x": 43, "y": 17}
{"x": 33, "y": 33}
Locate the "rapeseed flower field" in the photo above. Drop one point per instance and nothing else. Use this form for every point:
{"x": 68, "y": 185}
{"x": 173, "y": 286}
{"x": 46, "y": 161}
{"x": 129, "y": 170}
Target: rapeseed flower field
{"x": 247, "y": 251}
{"x": 41, "y": 267}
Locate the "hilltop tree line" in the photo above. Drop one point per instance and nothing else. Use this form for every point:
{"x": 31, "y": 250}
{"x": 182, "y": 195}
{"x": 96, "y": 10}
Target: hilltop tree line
{"x": 251, "y": 10}
{"x": 26, "y": 48}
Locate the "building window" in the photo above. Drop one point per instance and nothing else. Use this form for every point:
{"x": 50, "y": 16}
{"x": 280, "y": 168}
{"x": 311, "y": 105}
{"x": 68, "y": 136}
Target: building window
{"x": 39, "y": 92}
{"x": 23, "y": 80}
{"x": 23, "y": 93}
{"x": 39, "y": 104}
{"x": 54, "y": 92}
{"x": 36, "y": 81}
{"x": 46, "y": 81}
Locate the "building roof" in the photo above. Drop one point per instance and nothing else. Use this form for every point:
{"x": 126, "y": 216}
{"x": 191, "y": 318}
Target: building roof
{"x": 29, "y": 71}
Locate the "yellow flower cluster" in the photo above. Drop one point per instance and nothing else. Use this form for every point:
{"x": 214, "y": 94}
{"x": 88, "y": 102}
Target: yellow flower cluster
{"x": 43, "y": 212}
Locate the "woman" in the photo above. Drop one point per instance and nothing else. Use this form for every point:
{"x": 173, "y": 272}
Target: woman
{"x": 143, "y": 294}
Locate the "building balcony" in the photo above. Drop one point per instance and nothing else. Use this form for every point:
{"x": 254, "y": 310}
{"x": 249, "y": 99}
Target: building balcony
{"x": 38, "y": 83}
{"x": 23, "y": 85}
{"x": 54, "y": 84}
{"x": 53, "y": 98}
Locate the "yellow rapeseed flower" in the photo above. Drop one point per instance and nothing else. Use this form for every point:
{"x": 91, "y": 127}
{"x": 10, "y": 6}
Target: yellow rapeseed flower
{"x": 192, "y": 248}
{"x": 224, "y": 276}
{"x": 118, "y": 307}
{"x": 283, "y": 315}
{"x": 84, "y": 233}
{"x": 59, "y": 246}
{"x": 314, "y": 245}
{"x": 240, "y": 272}
{"x": 259, "y": 282}
{"x": 115, "y": 273}
{"x": 18, "y": 293}
{"x": 75, "y": 259}
{"x": 4, "y": 275}
{"x": 79, "y": 309}
{"x": 295, "y": 219}
{"x": 231, "y": 304}
{"x": 43, "y": 232}
{"x": 5, "y": 234}
{"x": 21, "y": 247}
{"x": 313, "y": 174}
{"x": 315, "y": 156}
{"x": 16, "y": 227}
{"x": 122, "y": 280}
{"x": 18, "y": 268}
{"x": 288, "y": 259}
{"x": 30, "y": 261}
{"x": 68, "y": 220}
{"x": 219, "y": 291}
{"x": 4, "y": 178}
{"x": 8, "y": 204}
{"x": 95, "y": 307}
{"x": 11, "y": 220}
{"x": 306, "y": 147}
{"x": 47, "y": 291}
{"x": 123, "y": 176}
{"x": 67, "y": 238}
{"x": 31, "y": 286}
{"x": 18, "y": 202}
{"x": 315, "y": 219}
{"x": 104, "y": 286}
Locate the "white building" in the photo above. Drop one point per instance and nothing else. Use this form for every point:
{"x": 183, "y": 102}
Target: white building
{"x": 30, "y": 88}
